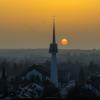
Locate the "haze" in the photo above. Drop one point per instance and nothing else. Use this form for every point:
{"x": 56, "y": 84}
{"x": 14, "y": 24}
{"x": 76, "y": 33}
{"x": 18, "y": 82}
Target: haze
{"x": 28, "y": 23}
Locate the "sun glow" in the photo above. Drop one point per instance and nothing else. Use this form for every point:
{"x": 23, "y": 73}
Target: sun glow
{"x": 64, "y": 41}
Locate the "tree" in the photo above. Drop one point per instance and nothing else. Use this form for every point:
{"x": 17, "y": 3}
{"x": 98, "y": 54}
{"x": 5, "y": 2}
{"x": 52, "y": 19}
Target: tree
{"x": 50, "y": 90}
{"x": 79, "y": 93}
{"x": 91, "y": 68}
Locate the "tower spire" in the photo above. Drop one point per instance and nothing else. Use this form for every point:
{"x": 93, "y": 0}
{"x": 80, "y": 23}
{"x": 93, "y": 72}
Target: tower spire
{"x": 54, "y": 38}
{"x": 54, "y": 50}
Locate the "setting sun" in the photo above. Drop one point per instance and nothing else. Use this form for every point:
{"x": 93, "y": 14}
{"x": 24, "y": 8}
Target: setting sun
{"x": 64, "y": 41}
{"x": 23, "y": 22}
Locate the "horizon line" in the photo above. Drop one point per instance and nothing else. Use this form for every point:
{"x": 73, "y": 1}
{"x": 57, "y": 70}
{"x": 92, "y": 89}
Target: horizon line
{"x": 47, "y": 48}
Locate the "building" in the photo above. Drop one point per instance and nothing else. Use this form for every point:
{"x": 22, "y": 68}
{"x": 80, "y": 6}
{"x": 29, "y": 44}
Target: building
{"x": 53, "y": 50}
{"x": 34, "y": 73}
{"x": 3, "y": 82}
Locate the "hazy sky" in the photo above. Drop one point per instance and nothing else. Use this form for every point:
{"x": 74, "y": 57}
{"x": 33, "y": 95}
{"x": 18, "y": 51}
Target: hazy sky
{"x": 28, "y": 23}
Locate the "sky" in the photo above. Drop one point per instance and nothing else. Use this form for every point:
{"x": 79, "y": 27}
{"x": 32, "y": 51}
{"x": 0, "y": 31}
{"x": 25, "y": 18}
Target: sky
{"x": 28, "y": 23}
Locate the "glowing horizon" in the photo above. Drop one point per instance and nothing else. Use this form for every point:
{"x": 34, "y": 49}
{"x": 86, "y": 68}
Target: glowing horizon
{"x": 28, "y": 23}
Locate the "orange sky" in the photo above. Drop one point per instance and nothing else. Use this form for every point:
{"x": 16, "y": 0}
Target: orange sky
{"x": 28, "y": 23}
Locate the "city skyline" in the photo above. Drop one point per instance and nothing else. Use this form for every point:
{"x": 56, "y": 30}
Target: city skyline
{"x": 28, "y": 23}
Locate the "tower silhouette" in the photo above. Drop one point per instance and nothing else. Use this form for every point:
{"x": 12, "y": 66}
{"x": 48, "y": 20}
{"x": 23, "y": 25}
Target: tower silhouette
{"x": 53, "y": 50}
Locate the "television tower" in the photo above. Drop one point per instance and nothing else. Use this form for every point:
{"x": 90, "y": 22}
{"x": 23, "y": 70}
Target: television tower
{"x": 53, "y": 50}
